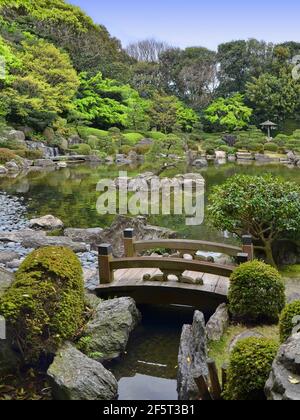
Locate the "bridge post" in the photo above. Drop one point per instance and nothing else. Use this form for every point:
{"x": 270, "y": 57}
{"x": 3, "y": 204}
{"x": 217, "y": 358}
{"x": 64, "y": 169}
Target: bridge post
{"x": 129, "y": 239}
{"x": 242, "y": 258}
{"x": 105, "y": 258}
{"x": 248, "y": 247}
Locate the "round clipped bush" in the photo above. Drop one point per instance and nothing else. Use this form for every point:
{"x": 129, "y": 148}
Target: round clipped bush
{"x": 249, "y": 369}
{"x": 45, "y": 304}
{"x": 256, "y": 292}
{"x": 271, "y": 147}
{"x": 288, "y": 320}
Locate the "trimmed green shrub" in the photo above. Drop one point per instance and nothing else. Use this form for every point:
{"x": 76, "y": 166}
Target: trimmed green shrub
{"x": 256, "y": 292}
{"x": 249, "y": 369}
{"x": 286, "y": 324}
{"x": 271, "y": 147}
{"x": 156, "y": 135}
{"x": 142, "y": 149}
{"x": 6, "y": 155}
{"x": 45, "y": 304}
{"x": 133, "y": 138}
{"x": 229, "y": 150}
{"x": 125, "y": 149}
{"x": 82, "y": 149}
{"x": 85, "y": 132}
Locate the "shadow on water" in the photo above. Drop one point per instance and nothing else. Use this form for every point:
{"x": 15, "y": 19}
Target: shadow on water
{"x": 148, "y": 371}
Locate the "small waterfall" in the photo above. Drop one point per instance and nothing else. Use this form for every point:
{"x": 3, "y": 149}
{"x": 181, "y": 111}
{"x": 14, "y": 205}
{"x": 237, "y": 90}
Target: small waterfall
{"x": 48, "y": 152}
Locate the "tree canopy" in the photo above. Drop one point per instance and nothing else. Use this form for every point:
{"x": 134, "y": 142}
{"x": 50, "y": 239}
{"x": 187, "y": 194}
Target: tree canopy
{"x": 266, "y": 207}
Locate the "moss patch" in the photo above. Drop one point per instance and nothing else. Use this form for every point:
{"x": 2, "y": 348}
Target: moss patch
{"x": 45, "y": 304}
{"x": 219, "y": 351}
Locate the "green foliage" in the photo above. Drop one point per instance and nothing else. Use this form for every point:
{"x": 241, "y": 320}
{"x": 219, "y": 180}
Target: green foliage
{"x": 256, "y": 292}
{"x": 106, "y": 103}
{"x": 270, "y": 95}
{"x": 250, "y": 366}
{"x": 286, "y": 324}
{"x": 85, "y": 132}
{"x": 271, "y": 147}
{"x": 45, "y": 305}
{"x": 42, "y": 88}
{"x": 156, "y": 135}
{"x": 133, "y": 138}
{"x": 68, "y": 27}
{"x": 265, "y": 206}
{"x": 82, "y": 149}
{"x": 230, "y": 113}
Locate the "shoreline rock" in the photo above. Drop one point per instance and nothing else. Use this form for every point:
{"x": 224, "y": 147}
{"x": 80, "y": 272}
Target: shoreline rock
{"x": 192, "y": 358}
{"x": 75, "y": 377}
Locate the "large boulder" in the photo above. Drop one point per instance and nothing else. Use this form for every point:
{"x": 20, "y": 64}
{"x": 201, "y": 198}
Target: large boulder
{"x": 7, "y": 256}
{"x": 3, "y": 170}
{"x": 44, "y": 163}
{"x": 88, "y": 236}
{"x": 284, "y": 381}
{"x": 107, "y": 334}
{"x": 192, "y": 358}
{"x": 17, "y": 136}
{"x": 48, "y": 222}
{"x": 75, "y": 377}
{"x": 143, "y": 231}
{"x": 218, "y": 323}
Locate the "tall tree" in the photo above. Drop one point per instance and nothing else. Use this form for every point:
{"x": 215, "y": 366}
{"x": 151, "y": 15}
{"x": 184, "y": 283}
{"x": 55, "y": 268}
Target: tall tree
{"x": 189, "y": 74}
{"x": 42, "y": 87}
{"x": 274, "y": 97}
{"x": 239, "y": 61}
{"x": 147, "y": 50}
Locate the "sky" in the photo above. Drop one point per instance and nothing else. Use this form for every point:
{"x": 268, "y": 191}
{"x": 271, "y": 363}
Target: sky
{"x": 207, "y": 23}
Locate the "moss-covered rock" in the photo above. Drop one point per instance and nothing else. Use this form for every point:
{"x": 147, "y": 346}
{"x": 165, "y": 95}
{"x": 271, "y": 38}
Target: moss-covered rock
{"x": 288, "y": 320}
{"x": 250, "y": 367}
{"x": 45, "y": 304}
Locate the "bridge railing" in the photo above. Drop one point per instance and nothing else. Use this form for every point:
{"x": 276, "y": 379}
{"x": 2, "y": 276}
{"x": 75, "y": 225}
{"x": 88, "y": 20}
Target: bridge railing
{"x": 133, "y": 247}
{"x": 168, "y": 266}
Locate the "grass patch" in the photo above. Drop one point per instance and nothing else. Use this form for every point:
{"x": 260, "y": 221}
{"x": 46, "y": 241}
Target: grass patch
{"x": 291, "y": 271}
{"x": 219, "y": 351}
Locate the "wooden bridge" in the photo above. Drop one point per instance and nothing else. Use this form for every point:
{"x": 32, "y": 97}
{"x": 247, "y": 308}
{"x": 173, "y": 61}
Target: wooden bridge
{"x": 174, "y": 280}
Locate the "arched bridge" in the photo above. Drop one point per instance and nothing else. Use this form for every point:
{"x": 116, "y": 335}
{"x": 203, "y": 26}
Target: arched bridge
{"x": 174, "y": 280}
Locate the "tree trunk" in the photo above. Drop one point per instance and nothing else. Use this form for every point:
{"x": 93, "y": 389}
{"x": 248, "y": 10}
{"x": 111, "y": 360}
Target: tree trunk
{"x": 269, "y": 253}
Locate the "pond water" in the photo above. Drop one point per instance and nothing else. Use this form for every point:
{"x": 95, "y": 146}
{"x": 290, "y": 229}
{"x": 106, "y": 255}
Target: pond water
{"x": 149, "y": 369}
{"x": 70, "y": 194}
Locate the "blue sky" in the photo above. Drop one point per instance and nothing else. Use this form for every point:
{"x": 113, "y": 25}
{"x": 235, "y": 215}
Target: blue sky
{"x": 195, "y": 22}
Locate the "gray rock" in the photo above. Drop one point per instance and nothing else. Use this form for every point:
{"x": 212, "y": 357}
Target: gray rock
{"x": 200, "y": 163}
{"x": 12, "y": 167}
{"x": 111, "y": 326}
{"x": 74, "y": 140}
{"x": 17, "y": 136}
{"x": 44, "y": 163}
{"x": 284, "y": 381}
{"x": 91, "y": 278}
{"x": 6, "y": 279}
{"x": 75, "y": 377}
{"x": 3, "y": 170}
{"x": 88, "y": 236}
{"x": 40, "y": 241}
{"x": 143, "y": 231}
{"x": 7, "y": 256}
{"x": 218, "y": 323}
{"x": 192, "y": 358}
{"x": 14, "y": 264}
{"x": 48, "y": 222}
{"x": 243, "y": 336}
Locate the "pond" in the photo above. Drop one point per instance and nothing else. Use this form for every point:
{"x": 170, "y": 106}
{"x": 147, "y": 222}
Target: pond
{"x": 149, "y": 369}
{"x": 70, "y": 194}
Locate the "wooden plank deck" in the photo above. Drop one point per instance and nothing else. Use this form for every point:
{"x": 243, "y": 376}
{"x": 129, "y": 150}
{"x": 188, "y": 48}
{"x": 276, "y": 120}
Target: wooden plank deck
{"x": 129, "y": 282}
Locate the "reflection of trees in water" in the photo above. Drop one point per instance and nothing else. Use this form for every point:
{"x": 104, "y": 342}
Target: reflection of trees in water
{"x": 71, "y": 194}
